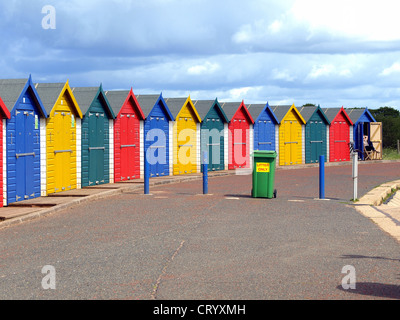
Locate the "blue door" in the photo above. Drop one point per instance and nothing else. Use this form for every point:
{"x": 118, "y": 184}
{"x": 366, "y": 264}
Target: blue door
{"x": 265, "y": 135}
{"x": 25, "y": 154}
{"x": 157, "y": 145}
{"x": 358, "y": 139}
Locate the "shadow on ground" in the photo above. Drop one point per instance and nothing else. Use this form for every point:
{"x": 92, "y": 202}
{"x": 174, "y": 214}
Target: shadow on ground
{"x": 381, "y": 290}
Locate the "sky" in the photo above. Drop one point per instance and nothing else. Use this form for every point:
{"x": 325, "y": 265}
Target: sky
{"x": 329, "y": 53}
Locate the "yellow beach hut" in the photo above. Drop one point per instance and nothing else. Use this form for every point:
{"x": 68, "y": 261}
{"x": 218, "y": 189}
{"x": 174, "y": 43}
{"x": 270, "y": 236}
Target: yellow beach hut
{"x": 186, "y": 136}
{"x": 290, "y": 135}
{"x": 63, "y": 138}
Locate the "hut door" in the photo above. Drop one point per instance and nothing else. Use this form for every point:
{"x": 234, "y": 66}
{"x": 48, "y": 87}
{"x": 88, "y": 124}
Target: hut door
{"x": 266, "y": 134}
{"x": 316, "y": 140}
{"x": 358, "y": 138}
{"x": 63, "y": 153}
{"x": 96, "y": 148}
{"x": 376, "y": 138}
{"x": 239, "y": 146}
{"x": 130, "y": 151}
{"x": 214, "y": 143}
{"x": 186, "y": 145}
{"x": 158, "y": 156}
{"x": 25, "y": 122}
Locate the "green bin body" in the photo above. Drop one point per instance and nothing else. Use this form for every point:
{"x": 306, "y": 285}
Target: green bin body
{"x": 264, "y": 174}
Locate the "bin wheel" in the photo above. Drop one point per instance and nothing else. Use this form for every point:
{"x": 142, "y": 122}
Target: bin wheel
{"x": 275, "y": 192}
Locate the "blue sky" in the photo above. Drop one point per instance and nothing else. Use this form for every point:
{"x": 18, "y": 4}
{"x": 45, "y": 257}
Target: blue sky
{"x": 332, "y": 53}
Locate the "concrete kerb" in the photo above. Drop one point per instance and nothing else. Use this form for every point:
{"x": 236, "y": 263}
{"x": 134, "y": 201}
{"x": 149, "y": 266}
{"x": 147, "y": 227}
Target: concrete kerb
{"x": 369, "y": 206}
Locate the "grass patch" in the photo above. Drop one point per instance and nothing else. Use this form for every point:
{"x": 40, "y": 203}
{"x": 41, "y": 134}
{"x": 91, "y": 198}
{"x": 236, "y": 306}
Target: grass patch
{"x": 392, "y": 192}
{"x": 390, "y": 154}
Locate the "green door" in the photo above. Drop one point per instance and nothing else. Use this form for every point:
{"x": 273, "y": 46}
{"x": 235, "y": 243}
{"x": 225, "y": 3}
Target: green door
{"x": 212, "y": 141}
{"x": 317, "y": 141}
{"x": 96, "y": 148}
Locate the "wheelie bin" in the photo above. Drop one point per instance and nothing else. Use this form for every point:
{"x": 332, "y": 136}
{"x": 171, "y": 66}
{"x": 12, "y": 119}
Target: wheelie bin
{"x": 264, "y": 163}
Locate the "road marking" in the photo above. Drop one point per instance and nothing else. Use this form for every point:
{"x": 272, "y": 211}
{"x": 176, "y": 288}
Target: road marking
{"x": 296, "y": 200}
{"x": 232, "y": 198}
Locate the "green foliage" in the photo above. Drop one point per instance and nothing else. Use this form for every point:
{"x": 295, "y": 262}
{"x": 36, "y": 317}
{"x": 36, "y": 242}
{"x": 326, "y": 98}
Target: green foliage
{"x": 390, "y": 154}
{"x": 390, "y": 119}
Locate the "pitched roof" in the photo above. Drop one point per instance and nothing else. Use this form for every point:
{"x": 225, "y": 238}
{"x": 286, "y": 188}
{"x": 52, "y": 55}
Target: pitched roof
{"x": 11, "y": 90}
{"x": 331, "y": 114}
{"x": 86, "y": 95}
{"x": 280, "y": 111}
{"x": 4, "y": 109}
{"x": 148, "y": 101}
{"x": 175, "y": 105}
{"x": 308, "y": 111}
{"x": 203, "y": 107}
{"x": 356, "y": 114}
{"x": 49, "y": 93}
{"x": 230, "y": 108}
{"x": 256, "y": 110}
{"x": 117, "y": 99}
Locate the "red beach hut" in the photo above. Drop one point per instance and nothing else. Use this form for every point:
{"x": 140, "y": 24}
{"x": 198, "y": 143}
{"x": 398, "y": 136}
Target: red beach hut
{"x": 339, "y": 134}
{"x": 240, "y": 134}
{"x": 128, "y": 135}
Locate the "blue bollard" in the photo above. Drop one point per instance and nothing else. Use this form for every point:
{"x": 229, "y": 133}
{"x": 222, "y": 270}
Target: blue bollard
{"x": 205, "y": 173}
{"x": 322, "y": 177}
{"x": 146, "y": 176}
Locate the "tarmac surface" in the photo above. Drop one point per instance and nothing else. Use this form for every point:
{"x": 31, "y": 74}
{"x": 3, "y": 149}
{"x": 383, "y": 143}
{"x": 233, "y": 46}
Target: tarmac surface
{"x": 180, "y": 244}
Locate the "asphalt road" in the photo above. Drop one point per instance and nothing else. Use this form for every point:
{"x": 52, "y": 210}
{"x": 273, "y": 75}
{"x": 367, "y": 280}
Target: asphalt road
{"x": 180, "y": 244}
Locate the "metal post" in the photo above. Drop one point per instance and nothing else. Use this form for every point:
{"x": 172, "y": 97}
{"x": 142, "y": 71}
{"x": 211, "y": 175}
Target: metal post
{"x": 322, "y": 177}
{"x": 205, "y": 173}
{"x": 355, "y": 175}
{"x": 398, "y": 146}
{"x": 146, "y": 176}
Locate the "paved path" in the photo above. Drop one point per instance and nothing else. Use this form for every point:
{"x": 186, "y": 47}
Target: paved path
{"x": 179, "y": 244}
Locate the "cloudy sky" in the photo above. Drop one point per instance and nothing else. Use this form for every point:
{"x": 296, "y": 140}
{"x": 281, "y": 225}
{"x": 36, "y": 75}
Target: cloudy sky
{"x": 332, "y": 53}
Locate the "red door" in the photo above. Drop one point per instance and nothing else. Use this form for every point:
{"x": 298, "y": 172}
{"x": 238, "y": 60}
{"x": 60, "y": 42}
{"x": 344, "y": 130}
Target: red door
{"x": 239, "y": 157}
{"x": 130, "y": 146}
{"x": 339, "y": 140}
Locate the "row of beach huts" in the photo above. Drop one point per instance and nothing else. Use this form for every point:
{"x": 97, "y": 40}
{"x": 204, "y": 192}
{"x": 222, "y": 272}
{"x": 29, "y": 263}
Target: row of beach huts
{"x": 57, "y": 137}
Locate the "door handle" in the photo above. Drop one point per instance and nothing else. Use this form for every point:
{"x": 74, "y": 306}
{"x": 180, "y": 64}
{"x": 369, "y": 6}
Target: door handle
{"x": 18, "y": 155}
{"x": 96, "y": 148}
{"x": 63, "y": 151}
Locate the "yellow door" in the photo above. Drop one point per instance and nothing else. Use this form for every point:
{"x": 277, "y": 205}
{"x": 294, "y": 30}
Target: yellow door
{"x": 61, "y": 150}
{"x": 291, "y": 142}
{"x": 186, "y": 146}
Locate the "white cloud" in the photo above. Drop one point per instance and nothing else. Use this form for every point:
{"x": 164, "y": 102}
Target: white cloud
{"x": 206, "y": 68}
{"x": 323, "y": 70}
{"x": 275, "y": 26}
{"x": 365, "y": 19}
{"x": 282, "y": 75}
{"x": 394, "y": 68}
